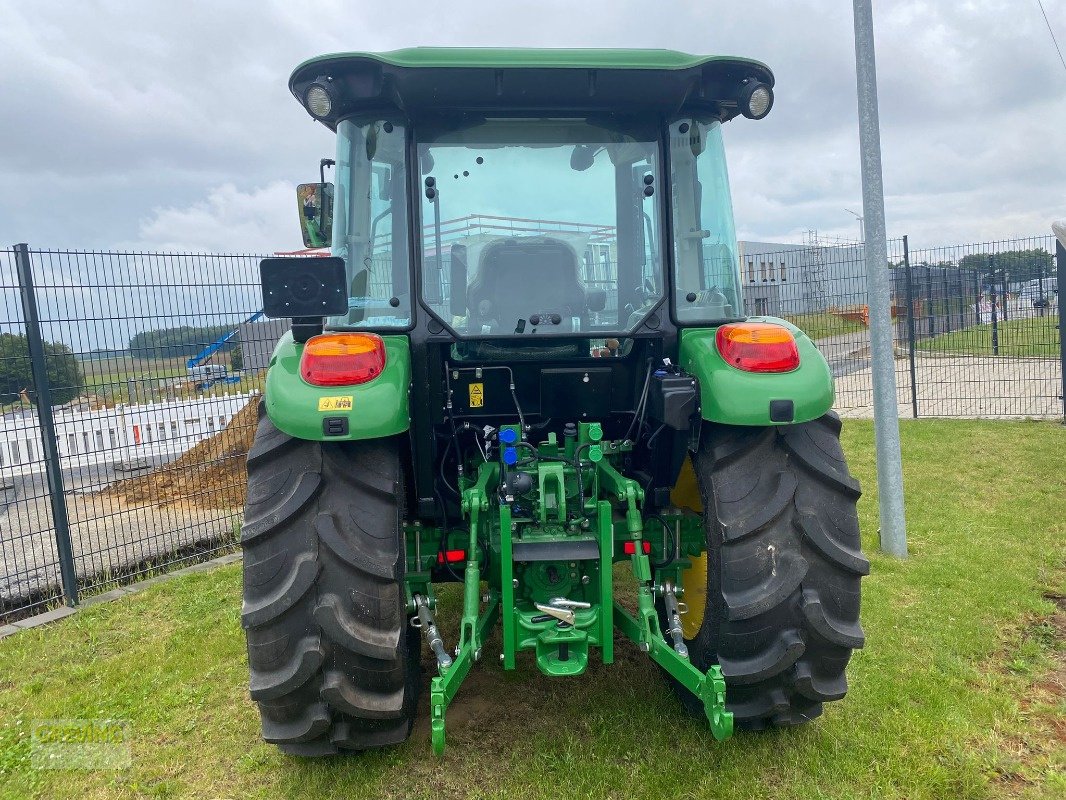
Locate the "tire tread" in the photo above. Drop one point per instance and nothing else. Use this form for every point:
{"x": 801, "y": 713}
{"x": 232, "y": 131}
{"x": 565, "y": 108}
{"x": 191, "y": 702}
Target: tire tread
{"x": 784, "y": 565}
{"x": 333, "y": 666}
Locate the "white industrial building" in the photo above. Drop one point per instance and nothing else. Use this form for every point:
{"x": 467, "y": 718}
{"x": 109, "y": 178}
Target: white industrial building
{"x": 110, "y": 435}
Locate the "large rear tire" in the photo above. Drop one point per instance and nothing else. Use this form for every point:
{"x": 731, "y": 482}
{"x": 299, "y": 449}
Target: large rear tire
{"x": 334, "y": 664}
{"x": 776, "y": 602}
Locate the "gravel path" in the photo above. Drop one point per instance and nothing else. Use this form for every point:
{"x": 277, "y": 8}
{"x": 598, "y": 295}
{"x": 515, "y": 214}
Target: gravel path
{"x": 108, "y": 536}
{"x": 964, "y": 386}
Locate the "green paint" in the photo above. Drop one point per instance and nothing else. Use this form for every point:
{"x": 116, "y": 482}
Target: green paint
{"x": 552, "y": 494}
{"x": 379, "y": 408}
{"x": 606, "y": 536}
{"x": 549, "y": 517}
{"x": 507, "y": 589}
{"x": 518, "y": 58}
{"x": 443, "y": 688}
{"x": 709, "y": 687}
{"x": 735, "y": 397}
{"x": 475, "y": 503}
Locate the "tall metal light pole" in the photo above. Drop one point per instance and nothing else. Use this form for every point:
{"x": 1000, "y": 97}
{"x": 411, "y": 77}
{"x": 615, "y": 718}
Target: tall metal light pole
{"x": 886, "y": 409}
{"x": 862, "y": 228}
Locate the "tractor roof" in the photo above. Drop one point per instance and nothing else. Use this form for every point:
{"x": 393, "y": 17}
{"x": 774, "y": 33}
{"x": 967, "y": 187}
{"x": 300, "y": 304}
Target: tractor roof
{"x": 428, "y": 79}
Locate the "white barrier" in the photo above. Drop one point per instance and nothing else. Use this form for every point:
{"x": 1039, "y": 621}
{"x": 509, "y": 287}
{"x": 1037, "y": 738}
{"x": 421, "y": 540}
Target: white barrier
{"x": 112, "y": 435}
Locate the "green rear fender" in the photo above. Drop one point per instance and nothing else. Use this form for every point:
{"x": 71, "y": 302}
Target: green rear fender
{"x": 375, "y": 409}
{"x": 735, "y": 397}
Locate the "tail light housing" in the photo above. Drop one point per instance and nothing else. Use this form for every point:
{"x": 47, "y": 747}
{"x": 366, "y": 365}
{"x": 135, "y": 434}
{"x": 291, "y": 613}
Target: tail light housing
{"x": 758, "y": 347}
{"x": 342, "y": 359}
{"x": 451, "y": 556}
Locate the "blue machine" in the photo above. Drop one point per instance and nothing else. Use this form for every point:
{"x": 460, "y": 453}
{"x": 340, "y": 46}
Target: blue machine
{"x": 207, "y": 375}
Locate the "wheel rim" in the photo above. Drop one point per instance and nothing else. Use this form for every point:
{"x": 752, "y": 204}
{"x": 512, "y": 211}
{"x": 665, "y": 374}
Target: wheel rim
{"x": 686, "y": 494}
{"x": 694, "y": 584}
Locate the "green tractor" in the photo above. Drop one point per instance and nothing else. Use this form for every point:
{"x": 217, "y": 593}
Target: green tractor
{"x": 527, "y": 362}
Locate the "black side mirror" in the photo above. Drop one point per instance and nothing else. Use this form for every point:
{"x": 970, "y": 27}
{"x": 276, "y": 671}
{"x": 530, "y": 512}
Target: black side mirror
{"x": 596, "y": 299}
{"x": 315, "y": 202}
{"x": 458, "y": 279}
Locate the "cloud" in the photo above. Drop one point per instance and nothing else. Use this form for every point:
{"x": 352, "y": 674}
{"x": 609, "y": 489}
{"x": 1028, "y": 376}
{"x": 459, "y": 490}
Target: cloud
{"x": 129, "y": 122}
{"x": 228, "y": 220}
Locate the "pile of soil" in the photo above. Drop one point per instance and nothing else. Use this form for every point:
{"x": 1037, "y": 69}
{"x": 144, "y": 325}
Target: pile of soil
{"x": 209, "y": 475}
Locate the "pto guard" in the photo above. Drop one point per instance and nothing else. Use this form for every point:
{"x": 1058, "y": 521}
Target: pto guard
{"x": 371, "y": 410}
{"x": 735, "y": 397}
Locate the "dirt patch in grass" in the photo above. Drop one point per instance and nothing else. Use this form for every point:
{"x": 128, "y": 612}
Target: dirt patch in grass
{"x": 1051, "y": 690}
{"x": 209, "y": 475}
{"x": 1034, "y": 750}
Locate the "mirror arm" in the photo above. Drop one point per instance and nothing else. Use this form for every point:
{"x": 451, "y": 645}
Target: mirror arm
{"x": 325, "y": 162}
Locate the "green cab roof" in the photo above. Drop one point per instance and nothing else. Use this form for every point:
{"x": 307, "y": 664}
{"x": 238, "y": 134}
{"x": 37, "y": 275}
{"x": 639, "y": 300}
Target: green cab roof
{"x": 529, "y": 57}
{"x": 427, "y": 79}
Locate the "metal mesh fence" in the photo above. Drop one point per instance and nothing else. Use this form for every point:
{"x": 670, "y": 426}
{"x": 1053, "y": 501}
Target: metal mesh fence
{"x": 976, "y": 326}
{"x": 154, "y": 365}
{"x": 985, "y": 332}
{"x": 29, "y": 562}
{"x": 153, "y": 409}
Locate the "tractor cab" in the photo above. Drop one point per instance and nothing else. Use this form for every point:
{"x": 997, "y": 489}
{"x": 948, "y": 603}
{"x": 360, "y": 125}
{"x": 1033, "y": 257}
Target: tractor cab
{"x": 579, "y": 199}
{"x": 527, "y": 359}
{"x": 502, "y": 207}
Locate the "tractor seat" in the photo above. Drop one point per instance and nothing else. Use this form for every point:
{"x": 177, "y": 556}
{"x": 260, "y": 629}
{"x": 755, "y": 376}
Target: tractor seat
{"x": 531, "y": 279}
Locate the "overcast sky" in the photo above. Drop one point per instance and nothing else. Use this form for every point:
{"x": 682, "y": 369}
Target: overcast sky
{"x": 169, "y": 125}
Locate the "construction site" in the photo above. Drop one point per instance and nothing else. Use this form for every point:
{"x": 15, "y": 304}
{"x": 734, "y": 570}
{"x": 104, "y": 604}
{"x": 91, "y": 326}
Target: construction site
{"x": 133, "y": 507}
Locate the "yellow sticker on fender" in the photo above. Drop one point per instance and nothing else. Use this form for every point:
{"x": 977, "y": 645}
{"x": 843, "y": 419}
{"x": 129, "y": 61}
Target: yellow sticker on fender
{"x": 335, "y": 403}
{"x": 477, "y": 395}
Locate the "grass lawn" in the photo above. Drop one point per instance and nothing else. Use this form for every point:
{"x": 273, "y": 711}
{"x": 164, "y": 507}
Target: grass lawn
{"x": 1030, "y": 337}
{"x": 959, "y": 693}
{"x": 116, "y": 371}
{"x": 820, "y": 325}
{"x": 108, "y": 378}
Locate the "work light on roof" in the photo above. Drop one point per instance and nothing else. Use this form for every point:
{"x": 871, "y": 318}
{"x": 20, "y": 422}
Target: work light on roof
{"x": 319, "y": 101}
{"x": 756, "y": 99}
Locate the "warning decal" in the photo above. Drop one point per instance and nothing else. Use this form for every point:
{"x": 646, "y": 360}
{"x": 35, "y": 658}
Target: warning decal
{"x": 343, "y": 403}
{"x": 477, "y": 395}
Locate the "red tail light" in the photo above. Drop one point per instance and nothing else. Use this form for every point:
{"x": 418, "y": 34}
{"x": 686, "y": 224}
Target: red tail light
{"x": 630, "y": 547}
{"x": 342, "y": 359}
{"x": 758, "y": 347}
{"x": 451, "y": 556}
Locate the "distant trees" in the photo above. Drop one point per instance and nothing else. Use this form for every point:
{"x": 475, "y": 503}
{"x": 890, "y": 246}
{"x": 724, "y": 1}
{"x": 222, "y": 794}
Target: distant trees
{"x": 64, "y": 374}
{"x": 181, "y": 342}
{"x": 1021, "y": 265}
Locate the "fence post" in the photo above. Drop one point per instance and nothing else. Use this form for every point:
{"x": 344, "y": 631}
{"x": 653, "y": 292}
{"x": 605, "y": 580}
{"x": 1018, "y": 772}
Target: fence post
{"x": 53, "y": 470}
{"x": 910, "y": 326}
{"x": 946, "y": 288}
{"x": 1040, "y": 288}
{"x": 956, "y": 288}
{"x": 995, "y": 318}
{"x": 928, "y": 281}
{"x": 1003, "y": 286}
{"x": 1060, "y": 272}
